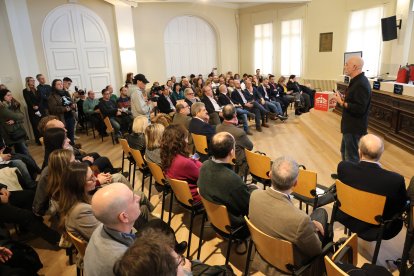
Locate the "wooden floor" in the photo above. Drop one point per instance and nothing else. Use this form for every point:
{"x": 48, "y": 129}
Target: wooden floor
{"x": 313, "y": 139}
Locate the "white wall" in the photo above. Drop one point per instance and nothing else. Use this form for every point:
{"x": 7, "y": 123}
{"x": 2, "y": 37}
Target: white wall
{"x": 322, "y": 16}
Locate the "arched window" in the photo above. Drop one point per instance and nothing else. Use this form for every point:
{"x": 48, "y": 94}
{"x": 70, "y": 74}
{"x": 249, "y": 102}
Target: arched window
{"x": 190, "y": 46}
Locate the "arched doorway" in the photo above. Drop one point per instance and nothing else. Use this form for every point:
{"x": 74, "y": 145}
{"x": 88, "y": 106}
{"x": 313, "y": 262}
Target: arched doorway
{"x": 77, "y": 45}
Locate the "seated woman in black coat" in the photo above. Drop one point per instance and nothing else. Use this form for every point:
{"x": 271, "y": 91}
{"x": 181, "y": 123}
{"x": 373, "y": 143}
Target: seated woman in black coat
{"x": 136, "y": 139}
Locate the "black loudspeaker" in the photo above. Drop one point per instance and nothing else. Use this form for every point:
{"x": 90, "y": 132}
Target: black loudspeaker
{"x": 389, "y": 28}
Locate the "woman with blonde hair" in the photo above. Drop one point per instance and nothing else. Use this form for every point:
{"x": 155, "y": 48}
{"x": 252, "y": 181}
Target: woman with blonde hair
{"x": 32, "y": 98}
{"x": 153, "y": 135}
{"x": 136, "y": 139}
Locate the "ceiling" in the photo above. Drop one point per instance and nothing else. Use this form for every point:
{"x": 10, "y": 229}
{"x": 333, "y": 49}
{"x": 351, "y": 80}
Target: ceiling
{"x": 231, "y": 4}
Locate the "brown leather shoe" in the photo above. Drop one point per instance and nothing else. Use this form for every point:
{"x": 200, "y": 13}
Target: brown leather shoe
{"x": 259, "y": 129}
{"x": 265, "y": 125}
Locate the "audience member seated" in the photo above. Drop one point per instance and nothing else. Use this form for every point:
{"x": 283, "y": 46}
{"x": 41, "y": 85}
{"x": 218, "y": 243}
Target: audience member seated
{"x": 77, "y": 186}
{"x": 302, "y": 89}
{"x": 182, "y": 117}
{"x": 265, "y": 97}
{"x": 199, "y": 123}
{"x": 136, "y": 139}
{"x": 153, "y": 135}
{"x": 55, "y": 139}
{"x": 242, "y": 141}
{"x": 198, "y": 86}
{"x": 124, "y": 102}
{"x": 218, "y": 182}
{"x": 152, "y": 254}
{"x": 47, "y": 190}
{"x": 11, "y": 123}
{"x": 16, "y": 207}
{"x": 273, "y": 213}
{"x": 166, "y": 104}
{"x": 32, "y": 99}
{"x": 121, "y": 121}
{"x": 91, "y": 109}
{"x": 117, "y": 208}
{"x": 60, "y": 104}
{"x": 224, "y": 99}
{"x": 296, "y": 97}
{"x": 239, "y": 97}
{"x": 368, "y": 175}
{"x": 278, "y": 95}
{"x": 252, "y": 94}
{"x": 112, "y": 96}
{"x": 211, "y": 105}
{"x": 175, "y": 159}
{"x": 177, "y": 93}
{"x": 162, "y": 118}
{"x": 140, "y": 105}
{"x": 190, "y": 98}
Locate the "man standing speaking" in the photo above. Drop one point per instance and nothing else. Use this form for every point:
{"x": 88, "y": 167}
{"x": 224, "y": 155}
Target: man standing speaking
{"x": 355, "y": 108}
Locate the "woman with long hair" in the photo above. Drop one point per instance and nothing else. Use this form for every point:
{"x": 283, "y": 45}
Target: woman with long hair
{"x": 153, "y": 135}
{"x": 54, "y": 138}
{"x": 11, "y": 122}
{"x": 49, "y": 182}
{"x": 175, "y": 159}
{"x": 32, "y": 98}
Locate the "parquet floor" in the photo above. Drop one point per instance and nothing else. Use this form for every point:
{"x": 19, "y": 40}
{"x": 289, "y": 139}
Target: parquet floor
{"x": 313, "y": 139}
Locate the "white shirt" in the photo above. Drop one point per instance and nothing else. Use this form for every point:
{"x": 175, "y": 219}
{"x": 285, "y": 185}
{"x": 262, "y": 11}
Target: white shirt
{"x": 215, "y": 104}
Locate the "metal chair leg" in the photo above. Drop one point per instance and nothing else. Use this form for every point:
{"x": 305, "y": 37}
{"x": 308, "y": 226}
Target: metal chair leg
{"x": 123, "y": 159}
{"x": 133, "y": 176}
{"x": 200, "y": 242}
{"x": 170, "y": 209}
{"x": 143, "y": 181}
{"x": 228, "y": 249}
{"x": 163, "y": 203}
{"x": 249, "y": 253}
{"x": 149, "y": 189}
{"x": 190, "y": 233}
{"x": 376, "y": 251}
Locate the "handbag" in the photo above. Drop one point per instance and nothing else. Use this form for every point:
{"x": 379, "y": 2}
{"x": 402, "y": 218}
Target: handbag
{"x": 24, "y": 257}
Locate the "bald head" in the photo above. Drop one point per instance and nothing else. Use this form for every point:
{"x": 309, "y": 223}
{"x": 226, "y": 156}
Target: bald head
{"x": 110, "y": 203}
{"x": 222, "y": 145}
{"x": 353, "y": 66}
{"x": 371, "y": 147}
{"x": 55, "y": 123}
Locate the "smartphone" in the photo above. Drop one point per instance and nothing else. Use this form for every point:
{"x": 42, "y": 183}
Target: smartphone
{"x": 195, "y": 156}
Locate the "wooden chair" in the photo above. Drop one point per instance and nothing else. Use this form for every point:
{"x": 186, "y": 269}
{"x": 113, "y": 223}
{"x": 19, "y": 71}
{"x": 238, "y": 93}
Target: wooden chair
{"x": 109, "y": 129}
{"x": 200, "y": 143}
{"x": 219, "y": 219}
{"x": 185, "y": 199}
{"x": 277, "y": 252}
{"x": 143, "y": 168}
{"x": 305, "y": 190}
{"x": 364, "y": 206}
{"x": 126, "y": 154}
{"x": 259, "y": 166}
{"x": 80, "y": 246}
{"x": 348, "y": 250}
{"x": 161, "y": 181}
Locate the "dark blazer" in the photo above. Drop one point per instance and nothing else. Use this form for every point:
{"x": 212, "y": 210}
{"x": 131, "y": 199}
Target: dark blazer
{"x": 202, "y": 128}
{"x": 358, "y": 97}
{"x": 164, "y": 105}
{"x": 370, "y": 177}
{"x": 223, "y": 99}
{"x": 261, "y": 92}
{"x": 237, "y": 99}
{"x": 32, "y": 99}
{"x": 255, "y": 97}
{"x": 108, "y": 108}
{"x": 209, "y": 106}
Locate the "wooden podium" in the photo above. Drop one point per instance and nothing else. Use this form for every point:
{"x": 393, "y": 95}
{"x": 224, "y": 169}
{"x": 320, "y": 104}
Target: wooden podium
{"x": 390, "y": 115}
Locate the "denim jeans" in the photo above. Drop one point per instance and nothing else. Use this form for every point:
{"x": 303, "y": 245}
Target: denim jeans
{"x": 243, "y": 114}
{"x": 349, "y": 147}
{"x": 70, "y": 127}
{"x": 274, "y": 107}
{"x": 21, "y": 148}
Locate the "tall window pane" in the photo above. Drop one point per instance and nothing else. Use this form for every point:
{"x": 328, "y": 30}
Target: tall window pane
{"x": 291, "y": 47}
{"x": 364, "y": 34}
{"x": 263, "y": 47}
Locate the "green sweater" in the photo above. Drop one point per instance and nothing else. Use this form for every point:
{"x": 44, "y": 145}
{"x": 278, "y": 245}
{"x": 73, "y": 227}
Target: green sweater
{"x": 218, "y": 183}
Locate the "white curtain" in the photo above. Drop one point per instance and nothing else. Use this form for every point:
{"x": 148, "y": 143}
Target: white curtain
{"x": 291, "y": 47}
{"x": 364, "y": 34}
{"x": 263, "y": 48}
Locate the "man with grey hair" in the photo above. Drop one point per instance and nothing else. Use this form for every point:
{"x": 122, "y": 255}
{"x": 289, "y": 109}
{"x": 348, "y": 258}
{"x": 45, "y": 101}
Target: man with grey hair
{"x": 368, "y": 175}
{"x": 273, "y": 212}
{"x": 190, "y": 97}
{"x": 199, "y": 122}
